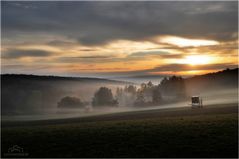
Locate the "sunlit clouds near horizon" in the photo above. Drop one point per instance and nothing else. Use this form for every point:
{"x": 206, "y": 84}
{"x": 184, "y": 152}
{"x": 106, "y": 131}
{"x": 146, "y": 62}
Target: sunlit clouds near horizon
{"x": 114, "y": 39}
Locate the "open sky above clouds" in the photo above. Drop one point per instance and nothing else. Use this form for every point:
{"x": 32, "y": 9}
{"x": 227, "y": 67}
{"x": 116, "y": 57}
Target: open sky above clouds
{"x": 107, "y": 39}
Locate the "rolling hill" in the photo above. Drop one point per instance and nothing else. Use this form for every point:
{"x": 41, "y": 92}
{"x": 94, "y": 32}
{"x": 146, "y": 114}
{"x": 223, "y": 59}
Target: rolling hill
{"x": 31, "y": 93}
{"x": 225, "y": 79}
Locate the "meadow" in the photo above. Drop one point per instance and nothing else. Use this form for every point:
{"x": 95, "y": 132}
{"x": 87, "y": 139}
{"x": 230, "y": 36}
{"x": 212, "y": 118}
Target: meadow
{"x": 198, "y": 135}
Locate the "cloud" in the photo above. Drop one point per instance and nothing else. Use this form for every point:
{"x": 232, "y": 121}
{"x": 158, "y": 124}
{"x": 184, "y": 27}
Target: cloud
{"x": 173, "y": 68}
{"x": 17, "y": 53}
{"x": 97, "y": 23}
{"x": 86, "y": 59}
{"x": 60, "y": 43}
{"x": 122, "y": 33}
{"x": 133, "y": 57}
{"x": 26, "y": 69}
{"x": 93, "y": 57}
{"x": 148, "y": 53}
{"x": 157, "y": 53}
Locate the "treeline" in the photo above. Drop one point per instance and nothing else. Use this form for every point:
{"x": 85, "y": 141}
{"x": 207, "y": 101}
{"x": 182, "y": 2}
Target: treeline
{"x": 224, "y": 79}
{"x": 30, "y": 94}
{"x": 148, "y": 94}
{"x": 102, "y": 97}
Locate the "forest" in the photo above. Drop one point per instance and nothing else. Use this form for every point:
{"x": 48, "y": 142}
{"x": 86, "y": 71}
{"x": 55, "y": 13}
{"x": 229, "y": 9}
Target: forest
{"x": 32, "y": 94}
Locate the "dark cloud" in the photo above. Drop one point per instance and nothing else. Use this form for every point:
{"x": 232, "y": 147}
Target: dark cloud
{"x": 95, "y": 23}
{"x": 93, "y": 57}
{"x": 137, "y": 56}
{"x": 10, "y": 54}
{"x": 26, "y": 69}
{"x": 147, "y": 53}
{"x": 86, "y": 59}
{"x": 158, "y": 54}
{"x": 60, "y": 43}
{"x": 85, "y": 50}
{"x": 67, "y": 24}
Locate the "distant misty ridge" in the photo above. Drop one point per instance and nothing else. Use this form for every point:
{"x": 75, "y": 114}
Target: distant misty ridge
{"x": 32, "y": 94}
{"x": 135, "y": 79}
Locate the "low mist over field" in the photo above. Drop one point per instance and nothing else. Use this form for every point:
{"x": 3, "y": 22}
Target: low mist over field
{"x": 42, "y": 97}
{"x": 36, "y": 94}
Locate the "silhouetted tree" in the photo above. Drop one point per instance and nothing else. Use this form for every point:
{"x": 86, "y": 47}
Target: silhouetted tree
{"x": 130, "y": 89}
{"x": 119, "y": 93}
{"x": 126, "y": 96}
{"x": 156, "y": 97}
{"x": 147, "y": 90}
{"x": 70, "y": 102}
{"x": 173, "y": 86}
{"x": 104, "y": 97}
{"x": 140, "y": 99}
{"x": 150, "y": 84}
{"x": 143, "y": 86}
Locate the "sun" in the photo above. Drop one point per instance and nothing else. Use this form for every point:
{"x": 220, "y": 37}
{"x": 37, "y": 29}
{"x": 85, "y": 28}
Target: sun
{"x": 197, "y": 60}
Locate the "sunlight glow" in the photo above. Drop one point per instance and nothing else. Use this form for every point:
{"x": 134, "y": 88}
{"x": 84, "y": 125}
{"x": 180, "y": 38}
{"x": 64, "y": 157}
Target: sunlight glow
{"x": 197, "y": 60}
{"x": 184, "y": 42}
{"x": 184, "y": 73}
{"x": 128, "y": 46}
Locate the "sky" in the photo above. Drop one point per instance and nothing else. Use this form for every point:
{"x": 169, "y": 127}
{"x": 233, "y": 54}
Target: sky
{"x": 115, "y": 39}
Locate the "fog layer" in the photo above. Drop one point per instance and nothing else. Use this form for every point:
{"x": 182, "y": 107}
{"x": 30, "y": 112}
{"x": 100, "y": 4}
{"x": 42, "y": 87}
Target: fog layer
{"x": 35, "y": 98}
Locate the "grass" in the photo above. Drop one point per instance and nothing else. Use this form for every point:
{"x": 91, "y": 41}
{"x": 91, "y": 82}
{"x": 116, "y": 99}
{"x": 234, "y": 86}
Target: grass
{"x": 191, "y": 136}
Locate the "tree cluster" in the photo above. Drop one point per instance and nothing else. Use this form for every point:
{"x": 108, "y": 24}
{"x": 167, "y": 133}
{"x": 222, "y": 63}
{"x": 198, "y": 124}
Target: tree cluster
{"x": 70, "y": 102}
{"x": 104, "y": 97}
{"x": 173, "y": 86}
{"x": 126, "y": 95}
{"x": 169, "y": 89}
{"x": 147, "y": 94}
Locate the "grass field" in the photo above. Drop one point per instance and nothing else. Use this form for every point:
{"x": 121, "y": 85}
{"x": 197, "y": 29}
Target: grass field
{"x": 210, "y": 135}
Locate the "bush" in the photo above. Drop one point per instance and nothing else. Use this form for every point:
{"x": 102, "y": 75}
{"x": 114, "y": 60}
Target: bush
{"x": 70, "y": 102}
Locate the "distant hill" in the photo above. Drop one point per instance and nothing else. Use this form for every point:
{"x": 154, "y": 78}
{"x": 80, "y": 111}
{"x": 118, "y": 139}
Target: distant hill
{"x": 10, "y": 77}
{"x": 32, "y": 93}
{"x": 225, "y": 79}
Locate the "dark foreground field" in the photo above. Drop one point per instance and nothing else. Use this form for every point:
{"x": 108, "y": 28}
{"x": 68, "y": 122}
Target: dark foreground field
{"x": 209, "y": 132}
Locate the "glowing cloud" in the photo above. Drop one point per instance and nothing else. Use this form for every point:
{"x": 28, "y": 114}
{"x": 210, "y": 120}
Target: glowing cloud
{"x": 184, "y": 42}
{"x": 196, "y": 60}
